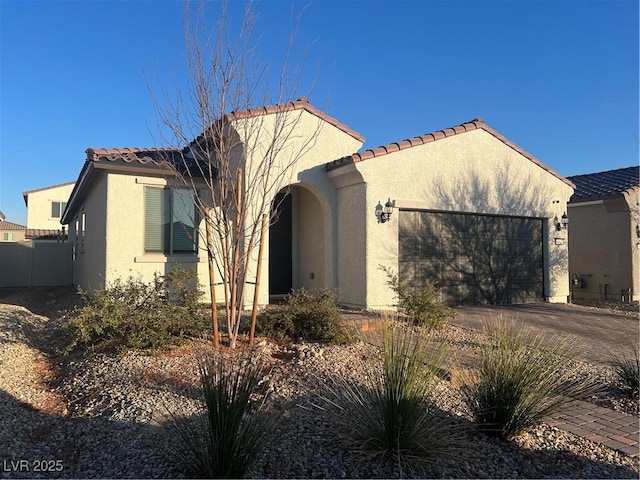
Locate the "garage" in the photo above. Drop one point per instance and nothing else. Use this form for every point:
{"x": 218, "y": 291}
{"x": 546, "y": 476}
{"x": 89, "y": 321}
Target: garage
{"x": 474, "y": 259}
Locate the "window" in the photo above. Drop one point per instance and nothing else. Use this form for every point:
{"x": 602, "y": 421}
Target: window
{"x": 57, "y": 209}
{"x": 170, "y": 221}
{"x": 7, "y": 236}
{"x": 83, "y": 229}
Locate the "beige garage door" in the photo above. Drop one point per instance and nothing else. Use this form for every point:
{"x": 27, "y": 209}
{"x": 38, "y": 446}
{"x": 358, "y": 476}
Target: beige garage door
{"x": 474, "y": 259}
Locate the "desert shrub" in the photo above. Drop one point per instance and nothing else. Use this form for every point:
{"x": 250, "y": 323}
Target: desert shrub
{"x": 275, "y": 322}
{"x": 305, "y": 315}
{"x": 627, "y": 369}
{"x": 421, "y": 304}
{"x": 392, "y": 414}
{"x": 132, "y": 314}
{"x": 230, "y": 428}
{"x": 518, "y": 383}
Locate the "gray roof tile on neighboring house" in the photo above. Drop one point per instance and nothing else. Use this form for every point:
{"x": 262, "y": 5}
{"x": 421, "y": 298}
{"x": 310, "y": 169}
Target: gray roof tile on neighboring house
{"x": 4, "y": 225}
{"x": 475, "y": 124}
{"x": 595, "y": 186}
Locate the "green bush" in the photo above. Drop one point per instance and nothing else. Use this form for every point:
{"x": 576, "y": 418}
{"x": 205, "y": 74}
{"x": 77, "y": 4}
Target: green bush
{"x": 133, "y": 314}
{"x": 522, "y": 378}
{"x": 420, "y": 304}
{"x": 393, "y": 414}
{"x": 628, "y": 370}
{"x": 305, "y": 315}
{"x": 225, "y": 437}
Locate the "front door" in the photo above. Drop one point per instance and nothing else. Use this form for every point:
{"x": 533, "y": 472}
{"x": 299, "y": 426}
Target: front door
{"x": 280, "y": 248}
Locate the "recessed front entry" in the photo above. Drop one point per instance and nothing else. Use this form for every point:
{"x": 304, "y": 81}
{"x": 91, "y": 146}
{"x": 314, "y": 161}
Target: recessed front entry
{"x": 280, "y": 247}
{"x": 297, "y": 243}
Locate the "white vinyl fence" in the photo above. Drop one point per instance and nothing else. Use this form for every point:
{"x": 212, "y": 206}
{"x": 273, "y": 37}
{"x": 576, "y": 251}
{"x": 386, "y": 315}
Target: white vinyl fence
{"x": 35, "y": 264}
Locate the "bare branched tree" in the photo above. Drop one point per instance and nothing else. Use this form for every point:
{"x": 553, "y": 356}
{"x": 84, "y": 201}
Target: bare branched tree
{"x": 235, "y": 157}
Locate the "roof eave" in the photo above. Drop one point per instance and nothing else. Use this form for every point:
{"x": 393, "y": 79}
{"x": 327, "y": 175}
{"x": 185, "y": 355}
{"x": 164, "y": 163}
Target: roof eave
{"x": 475, "y": 124}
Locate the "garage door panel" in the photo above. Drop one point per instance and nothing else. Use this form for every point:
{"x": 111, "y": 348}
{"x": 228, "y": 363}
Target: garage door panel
{"x": 474, "y": 259}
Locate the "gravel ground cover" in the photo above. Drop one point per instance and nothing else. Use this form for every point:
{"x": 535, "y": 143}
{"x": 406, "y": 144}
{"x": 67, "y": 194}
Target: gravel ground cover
{"x": 106, "y": 416}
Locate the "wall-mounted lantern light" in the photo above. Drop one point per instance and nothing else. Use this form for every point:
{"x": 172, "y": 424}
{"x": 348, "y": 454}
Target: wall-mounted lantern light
{"x": 562, "y": 223}
{"x": 384, "y": 213}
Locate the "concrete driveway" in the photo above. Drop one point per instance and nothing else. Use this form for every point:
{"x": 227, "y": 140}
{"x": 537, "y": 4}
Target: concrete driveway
{"x": 599, "y": 333}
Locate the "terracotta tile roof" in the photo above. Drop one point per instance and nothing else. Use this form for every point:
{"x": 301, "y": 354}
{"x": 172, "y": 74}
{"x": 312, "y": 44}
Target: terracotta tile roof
{"x": 300, "y": 104}
{"x": 594, "y": 186}
{"x": 143, "y": 156}
{"x": 475, "y": 124}
{"x": 45, "y": 234}
{"x": 4, "y": 225}
{"x": 24, "y": 194}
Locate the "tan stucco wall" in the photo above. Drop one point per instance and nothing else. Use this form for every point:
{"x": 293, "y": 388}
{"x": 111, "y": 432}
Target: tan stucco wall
{"x": 309, "y": 173}
{"x": 15, "y": 235}
{"x": 125, "y": 233}
{"x": 602, "y": 248}
{"x": 39, "y": 207}
{"x": 309, "y": 253}
{"x": 90, "y": 261}
{"x": 633, "y": 202}
{"x": 470, "y": 172}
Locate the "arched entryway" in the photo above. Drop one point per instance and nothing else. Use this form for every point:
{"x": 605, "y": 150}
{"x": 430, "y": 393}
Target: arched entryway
{"x": 298, "y": 255}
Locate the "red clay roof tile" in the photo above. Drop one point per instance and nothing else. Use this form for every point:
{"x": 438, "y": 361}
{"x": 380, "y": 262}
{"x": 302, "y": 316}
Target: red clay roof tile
{"x": 45, "y": 234}
{"x": 475, "y": 124}
{"x": 10, "y": 226}
{"x": 300, "y": 104}
{"x": 143, "y": 156}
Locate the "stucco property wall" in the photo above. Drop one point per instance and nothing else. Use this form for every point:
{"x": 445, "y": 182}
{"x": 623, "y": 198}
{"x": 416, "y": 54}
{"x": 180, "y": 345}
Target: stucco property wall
{"x": 472, "y": 172}
{"x": 602, "y": 252}
{"x": 39, "y": 206}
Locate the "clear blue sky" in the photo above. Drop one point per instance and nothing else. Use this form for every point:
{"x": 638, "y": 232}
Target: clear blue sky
{"x": 558, "y": 78}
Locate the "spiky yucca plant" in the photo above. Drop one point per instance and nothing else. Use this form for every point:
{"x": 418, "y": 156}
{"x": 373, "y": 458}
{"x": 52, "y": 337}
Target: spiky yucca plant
{"x": 393, "y": 413}
{"x": 226, "y": 436}
{"x": 522, "y": 378}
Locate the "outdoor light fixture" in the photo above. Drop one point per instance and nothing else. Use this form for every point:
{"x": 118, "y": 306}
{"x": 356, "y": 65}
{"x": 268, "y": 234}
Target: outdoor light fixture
{"x": 384, "y": 213}
{"x": 562, "y": 223}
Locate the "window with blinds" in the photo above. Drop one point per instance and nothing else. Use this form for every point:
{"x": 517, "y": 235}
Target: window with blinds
{"x": 170, "y": 221}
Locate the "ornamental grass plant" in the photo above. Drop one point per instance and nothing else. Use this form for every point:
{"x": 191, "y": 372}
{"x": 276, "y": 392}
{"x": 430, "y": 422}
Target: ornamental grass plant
{"x": 232, "y": 426}
{"x": 627, "y": 368}
{"x": 392, "y": 415}
{"x": 522, "y": 377}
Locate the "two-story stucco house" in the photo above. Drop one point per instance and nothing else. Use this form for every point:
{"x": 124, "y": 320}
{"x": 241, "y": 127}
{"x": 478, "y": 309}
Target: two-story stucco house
{"x": 45, "y": 207}
{"x": 604, "y": 242}
{"x": 463, "y": 207}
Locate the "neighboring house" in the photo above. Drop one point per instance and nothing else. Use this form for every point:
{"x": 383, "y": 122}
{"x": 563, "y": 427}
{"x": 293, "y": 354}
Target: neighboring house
{"x": 469, "y": 210}
{"x": 11, "y": 232}
{"x": 45, "y": 207}
{"x": 604, "y": 236}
